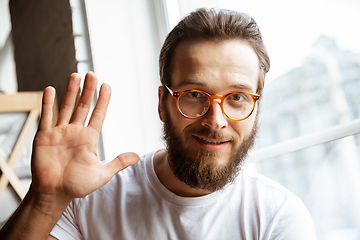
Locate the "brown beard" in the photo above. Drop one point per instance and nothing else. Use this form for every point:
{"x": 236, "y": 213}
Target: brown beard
{"x": 195, "y": 171}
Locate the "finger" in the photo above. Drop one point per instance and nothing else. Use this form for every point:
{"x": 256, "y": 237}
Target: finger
{"x": 67, "y": 106}
{"x": 98, "y": 115}
{"x": 120, "y": 163}
{"x": 86, "y": 98}
{"x": 47, "y": 108}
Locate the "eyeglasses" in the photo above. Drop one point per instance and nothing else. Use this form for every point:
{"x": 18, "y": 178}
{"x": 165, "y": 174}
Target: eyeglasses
{"x": 193, "y": 104}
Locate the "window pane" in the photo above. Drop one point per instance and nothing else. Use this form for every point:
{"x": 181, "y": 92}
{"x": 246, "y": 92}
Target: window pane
{"x": 327, "y": 178}
{"x": 320, "y": 93}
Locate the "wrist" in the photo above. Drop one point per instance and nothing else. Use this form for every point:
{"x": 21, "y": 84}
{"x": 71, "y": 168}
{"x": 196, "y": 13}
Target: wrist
{"x": 35, "y": 217}
{"x": 46, "y": 203}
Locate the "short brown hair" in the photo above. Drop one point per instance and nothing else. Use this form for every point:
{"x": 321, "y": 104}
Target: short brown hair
{"x": 212, "y": 24}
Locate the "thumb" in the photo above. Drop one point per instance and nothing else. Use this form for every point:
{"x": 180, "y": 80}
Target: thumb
{"x": 121, "y": 162}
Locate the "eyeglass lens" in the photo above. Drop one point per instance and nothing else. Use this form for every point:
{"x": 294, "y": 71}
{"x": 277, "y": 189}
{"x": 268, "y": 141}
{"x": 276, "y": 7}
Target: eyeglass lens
{"x": 195, "y": 104}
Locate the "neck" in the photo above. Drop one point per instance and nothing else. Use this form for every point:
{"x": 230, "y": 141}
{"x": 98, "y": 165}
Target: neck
{"x": 170, "y": 181}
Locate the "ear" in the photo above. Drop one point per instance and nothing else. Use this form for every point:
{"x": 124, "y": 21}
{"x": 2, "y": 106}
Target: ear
{"x": 160, "y": 92}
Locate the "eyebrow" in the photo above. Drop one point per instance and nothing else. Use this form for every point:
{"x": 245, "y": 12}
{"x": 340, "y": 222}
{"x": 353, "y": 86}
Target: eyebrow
{"x": 190, "y": 82}
{"x": 238, "y": 86}
{"x": 243, "y": 87}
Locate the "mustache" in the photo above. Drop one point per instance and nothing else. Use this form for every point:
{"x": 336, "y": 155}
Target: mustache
{"x": 208, "y": 133}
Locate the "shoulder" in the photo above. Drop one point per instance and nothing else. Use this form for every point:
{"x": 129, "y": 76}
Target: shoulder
{"x": 281, "y": 211}
{"x": 260, "y": 185}
{"x": 267, "y": 193}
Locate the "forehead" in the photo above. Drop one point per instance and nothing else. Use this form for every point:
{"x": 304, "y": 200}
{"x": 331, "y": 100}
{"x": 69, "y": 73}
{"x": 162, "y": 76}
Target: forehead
{"x": 215, "y": 65}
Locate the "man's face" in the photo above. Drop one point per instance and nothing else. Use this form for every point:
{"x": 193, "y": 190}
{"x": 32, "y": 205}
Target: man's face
{"x": 207, "y": 152}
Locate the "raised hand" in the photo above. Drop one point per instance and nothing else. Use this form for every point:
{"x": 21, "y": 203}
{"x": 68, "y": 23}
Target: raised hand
{"x": 64, "y": 161}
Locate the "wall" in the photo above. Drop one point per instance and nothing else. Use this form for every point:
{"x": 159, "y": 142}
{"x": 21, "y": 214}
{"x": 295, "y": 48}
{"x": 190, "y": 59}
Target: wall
{"x": 44, "y": 44}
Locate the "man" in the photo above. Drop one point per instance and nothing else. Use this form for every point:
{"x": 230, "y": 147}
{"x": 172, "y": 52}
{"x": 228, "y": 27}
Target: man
{"x": 212, "y": 70}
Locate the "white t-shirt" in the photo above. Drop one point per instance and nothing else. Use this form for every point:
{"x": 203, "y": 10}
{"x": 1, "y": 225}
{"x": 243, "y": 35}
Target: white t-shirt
{"x": 135, "y": 205}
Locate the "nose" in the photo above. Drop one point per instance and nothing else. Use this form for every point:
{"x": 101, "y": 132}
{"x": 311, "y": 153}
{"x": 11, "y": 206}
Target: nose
{"x": 214, "y": 118}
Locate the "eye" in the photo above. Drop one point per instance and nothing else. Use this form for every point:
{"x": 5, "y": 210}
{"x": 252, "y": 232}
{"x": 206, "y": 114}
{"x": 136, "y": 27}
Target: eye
{"x": 237, "y": 97}
{"x": 193, "y": 94}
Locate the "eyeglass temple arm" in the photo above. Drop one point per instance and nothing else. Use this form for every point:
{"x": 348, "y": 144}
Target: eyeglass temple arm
{"x": 170, "y": 91}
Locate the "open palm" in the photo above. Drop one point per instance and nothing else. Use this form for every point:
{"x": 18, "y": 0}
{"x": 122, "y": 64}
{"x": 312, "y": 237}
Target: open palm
{"x": 64, "y": 160}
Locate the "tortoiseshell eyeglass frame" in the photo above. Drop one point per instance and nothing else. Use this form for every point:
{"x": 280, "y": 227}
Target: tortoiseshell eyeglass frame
{"x": 254, "y": 97}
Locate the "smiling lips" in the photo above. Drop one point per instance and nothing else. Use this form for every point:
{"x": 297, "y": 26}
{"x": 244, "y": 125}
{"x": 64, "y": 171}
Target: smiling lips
{"x": 211, "y": 144}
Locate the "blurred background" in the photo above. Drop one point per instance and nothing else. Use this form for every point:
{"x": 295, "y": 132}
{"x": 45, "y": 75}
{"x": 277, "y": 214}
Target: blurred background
{"x": 309, "y": 121}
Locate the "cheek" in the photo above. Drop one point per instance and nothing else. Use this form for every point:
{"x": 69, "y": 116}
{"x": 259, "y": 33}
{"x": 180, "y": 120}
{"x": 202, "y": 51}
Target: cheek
{"x": 244, "y": 128}
{"x": 173, "y": 111}
{"x": 179, "y": 122}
